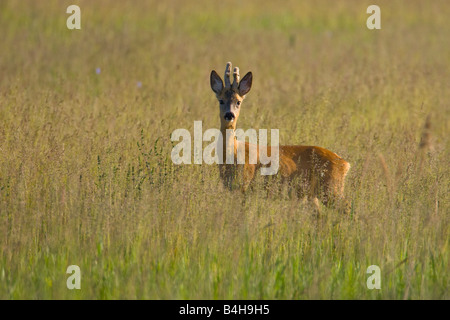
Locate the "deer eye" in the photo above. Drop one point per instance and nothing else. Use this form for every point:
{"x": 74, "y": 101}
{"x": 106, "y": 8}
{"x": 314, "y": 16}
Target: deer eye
{"x": 221, "y": 101}
{"x": 238, "y": 103}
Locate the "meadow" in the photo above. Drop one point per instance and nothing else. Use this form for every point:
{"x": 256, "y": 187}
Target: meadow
{"x": 86, "y": 176}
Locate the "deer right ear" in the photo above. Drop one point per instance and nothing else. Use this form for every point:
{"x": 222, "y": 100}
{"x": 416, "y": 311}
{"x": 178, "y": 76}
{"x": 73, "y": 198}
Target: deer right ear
{"x": 216, "y": 82}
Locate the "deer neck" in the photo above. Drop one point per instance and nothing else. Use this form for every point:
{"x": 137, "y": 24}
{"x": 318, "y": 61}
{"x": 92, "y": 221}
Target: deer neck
{"x": 229, "y": 141}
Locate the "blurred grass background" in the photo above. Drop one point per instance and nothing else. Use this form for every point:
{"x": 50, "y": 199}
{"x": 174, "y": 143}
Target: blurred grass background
{"x": 86, "y": 176}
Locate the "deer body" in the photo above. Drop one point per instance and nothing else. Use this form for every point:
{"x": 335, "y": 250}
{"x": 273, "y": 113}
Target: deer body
{"x": 314, "y": 171}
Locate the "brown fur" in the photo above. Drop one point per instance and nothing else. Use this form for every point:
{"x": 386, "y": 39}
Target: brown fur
{"x": 321, "y": 171}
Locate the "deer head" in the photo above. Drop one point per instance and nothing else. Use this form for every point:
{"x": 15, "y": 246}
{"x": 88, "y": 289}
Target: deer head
{"x": 230, "y": 96}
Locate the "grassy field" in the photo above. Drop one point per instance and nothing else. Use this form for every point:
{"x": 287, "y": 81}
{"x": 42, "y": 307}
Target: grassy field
{"x": 86, "y": 176}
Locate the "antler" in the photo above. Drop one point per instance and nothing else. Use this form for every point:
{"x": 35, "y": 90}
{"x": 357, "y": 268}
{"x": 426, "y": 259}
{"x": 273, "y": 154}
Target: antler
{"x": 227, "y": 75}
{"x": 236, "y": 78}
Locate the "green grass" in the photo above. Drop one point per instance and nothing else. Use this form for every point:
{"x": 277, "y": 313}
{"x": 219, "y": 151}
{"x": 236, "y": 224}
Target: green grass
{"x": 86, "y": 176}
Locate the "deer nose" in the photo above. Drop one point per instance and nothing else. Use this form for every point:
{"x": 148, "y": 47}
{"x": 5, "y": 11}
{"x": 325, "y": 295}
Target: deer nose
{"x": 229, "y": 116}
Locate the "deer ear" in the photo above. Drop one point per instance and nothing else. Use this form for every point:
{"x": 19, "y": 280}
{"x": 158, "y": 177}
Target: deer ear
{"x": 216, "y": 82}
{"x": 246, "y": 84}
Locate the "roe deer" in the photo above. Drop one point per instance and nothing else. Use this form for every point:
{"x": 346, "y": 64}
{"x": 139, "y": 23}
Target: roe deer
{"x": 321, "y": 171}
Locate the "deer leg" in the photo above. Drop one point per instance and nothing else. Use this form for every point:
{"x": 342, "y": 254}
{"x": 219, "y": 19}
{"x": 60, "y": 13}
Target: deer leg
{"x": 227, "y": 175}
{"x": 248, "y": 175}
{"x": 334, "y": 197}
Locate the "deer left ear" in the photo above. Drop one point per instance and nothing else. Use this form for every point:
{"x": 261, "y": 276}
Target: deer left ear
{"x": 246, "y": 84}
{"x": 216, "y": 82}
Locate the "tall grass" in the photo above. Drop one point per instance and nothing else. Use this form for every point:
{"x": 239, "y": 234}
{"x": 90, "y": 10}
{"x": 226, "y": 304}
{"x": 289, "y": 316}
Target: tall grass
{"x": 86, "y": 176}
